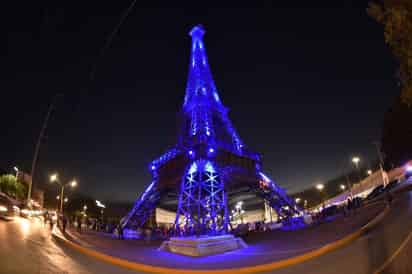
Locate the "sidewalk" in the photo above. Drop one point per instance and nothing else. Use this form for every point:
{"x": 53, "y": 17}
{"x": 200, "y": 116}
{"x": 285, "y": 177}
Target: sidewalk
{"x": 264, "y": 247}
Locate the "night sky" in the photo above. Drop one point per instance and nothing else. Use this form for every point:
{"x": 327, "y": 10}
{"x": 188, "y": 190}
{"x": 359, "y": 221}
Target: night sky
{"x": 306, "y": 86}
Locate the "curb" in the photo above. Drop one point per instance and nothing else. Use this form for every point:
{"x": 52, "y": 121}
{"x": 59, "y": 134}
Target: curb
{"x": 250, "y": 269}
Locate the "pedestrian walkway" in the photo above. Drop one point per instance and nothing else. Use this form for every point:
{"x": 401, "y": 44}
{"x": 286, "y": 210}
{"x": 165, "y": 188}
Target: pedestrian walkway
{"x": 264, "y": 247}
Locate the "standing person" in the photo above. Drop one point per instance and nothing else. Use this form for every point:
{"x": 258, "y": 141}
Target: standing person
{"x": 64, "y": 221}
{"x": 120, "y": 231}
{"x": 388, "y": 198}
{"x": 79, "y": 226}
{"x": 148, "y": 235}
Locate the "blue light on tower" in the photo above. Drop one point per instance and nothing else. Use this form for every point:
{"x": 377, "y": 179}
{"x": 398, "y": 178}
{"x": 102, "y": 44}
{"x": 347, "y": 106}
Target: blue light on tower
{"x": 206, "y": 129}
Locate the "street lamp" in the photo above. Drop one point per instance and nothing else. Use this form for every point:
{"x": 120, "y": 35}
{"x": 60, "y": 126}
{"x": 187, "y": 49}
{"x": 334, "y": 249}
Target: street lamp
{"x": 343, "y": 187}
{"x": 17, "y": 171}
{"x": 320, "y": 187}
{"x": 356, "y": 161}
{"x": 102, "y": 206}
{"x": 239, "y": 210}
{"x": 55, "y": 179}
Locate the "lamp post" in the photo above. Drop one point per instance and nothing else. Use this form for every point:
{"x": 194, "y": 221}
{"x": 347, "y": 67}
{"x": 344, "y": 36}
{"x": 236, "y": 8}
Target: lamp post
{"x": 102, "y": 207}
{"x": 37, "y": 147}
{"x": 239, "y": 210}
{"x": 320, "y": 187}
{"x": 356, "y": 161}
{"x": 17, "y": 171}
{"x": 55, "y": 179}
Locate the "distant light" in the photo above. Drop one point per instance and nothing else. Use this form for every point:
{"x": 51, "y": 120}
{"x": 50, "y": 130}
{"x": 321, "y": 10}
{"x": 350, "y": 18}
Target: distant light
{"x": 73, "y": 183}
{"x": 66, "y": 200}
{"x": 3, "y": 209}
{"x": 320, "y": 186}
{"x": 16, "y": 169}
{"x": 153, "y": 167}
{"x": 409, "y": 168}
{"x": 355, "y": 160}
{"x": 99, "y": 204}
{"x": 53, "y": 177}
{"x": 297, "y": 200}
{"x": 211, "y": 150}
{"x": 342, "y": 187}
{"x": 369, "y": 172}
{"x": 57, "y": 197}
{"x": 190, "y": 152}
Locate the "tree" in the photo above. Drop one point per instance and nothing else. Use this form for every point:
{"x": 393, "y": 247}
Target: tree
{"x": 12, "y": 187}
{"x": 396, "y": 17}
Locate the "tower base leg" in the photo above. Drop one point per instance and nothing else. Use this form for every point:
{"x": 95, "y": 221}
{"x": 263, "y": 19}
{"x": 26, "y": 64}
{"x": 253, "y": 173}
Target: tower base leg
{"x": 203, "y": 245}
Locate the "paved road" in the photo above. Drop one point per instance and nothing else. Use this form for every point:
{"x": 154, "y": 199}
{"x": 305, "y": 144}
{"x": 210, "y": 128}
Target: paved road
{"x": 385, "y": 249}
{"x": 27, "y": 247}
{"x": 263, "y": 247}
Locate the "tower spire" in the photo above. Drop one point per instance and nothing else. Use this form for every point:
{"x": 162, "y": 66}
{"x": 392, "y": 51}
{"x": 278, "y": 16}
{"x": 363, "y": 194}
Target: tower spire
{"x": 200, "y": 87}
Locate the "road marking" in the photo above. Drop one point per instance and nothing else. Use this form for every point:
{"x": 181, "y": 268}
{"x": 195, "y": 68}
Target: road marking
{"x": 394, "y": 255}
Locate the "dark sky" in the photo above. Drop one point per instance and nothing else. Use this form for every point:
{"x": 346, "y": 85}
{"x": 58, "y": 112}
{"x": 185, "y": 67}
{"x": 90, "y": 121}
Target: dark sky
{"x": 307, "y": 86}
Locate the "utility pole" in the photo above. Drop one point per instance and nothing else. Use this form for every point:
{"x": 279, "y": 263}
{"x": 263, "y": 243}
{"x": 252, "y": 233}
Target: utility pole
{"x": 378, "y": 150}
{"x": 37, "y": 148}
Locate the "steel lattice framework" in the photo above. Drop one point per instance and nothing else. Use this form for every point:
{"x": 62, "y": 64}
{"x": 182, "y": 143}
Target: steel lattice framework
{"x": 208, "y": 164}
{"x": 202, "y": 201}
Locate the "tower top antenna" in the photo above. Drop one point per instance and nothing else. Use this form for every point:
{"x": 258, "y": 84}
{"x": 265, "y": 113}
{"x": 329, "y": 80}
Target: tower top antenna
{"x": 197, "y": 31}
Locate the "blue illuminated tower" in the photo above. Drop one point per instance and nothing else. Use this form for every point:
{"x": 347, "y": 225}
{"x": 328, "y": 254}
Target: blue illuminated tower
{"x": 209, "y": 166}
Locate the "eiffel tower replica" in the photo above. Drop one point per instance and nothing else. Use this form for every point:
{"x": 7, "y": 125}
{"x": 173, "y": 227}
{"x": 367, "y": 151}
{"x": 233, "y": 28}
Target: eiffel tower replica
{"x": 210, "y": 167}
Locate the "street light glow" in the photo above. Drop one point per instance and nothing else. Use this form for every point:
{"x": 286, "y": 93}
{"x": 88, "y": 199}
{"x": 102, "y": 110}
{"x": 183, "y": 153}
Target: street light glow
{"x": 53, "y": 177}
{"x": 73, "y": 183}
{"x": 99, "y": 204}
{"x": 342, "y": 187}
{"x": 57, "y": 197}
{"x": 320, "y": 186}
{"x": 66, "y": 200}
{"x": 297, "y": 200}
{"x": 369, "y": 172}
{"x": 356, "y": 160}
{"x": 16, "y": 169}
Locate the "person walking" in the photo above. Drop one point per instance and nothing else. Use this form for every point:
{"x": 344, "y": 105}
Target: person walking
{"x": 388, "y": 198}
{"x": 120, "y": 231}
{"x": 64, "y": 222}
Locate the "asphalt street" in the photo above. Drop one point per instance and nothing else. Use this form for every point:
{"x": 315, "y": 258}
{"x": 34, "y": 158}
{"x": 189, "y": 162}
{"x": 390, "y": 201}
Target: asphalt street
{"x": 28, "y": 247}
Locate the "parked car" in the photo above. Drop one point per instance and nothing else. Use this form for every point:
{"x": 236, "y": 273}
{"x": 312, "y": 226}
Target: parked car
{"x": 375, "y": 192}
{"x": 408, "y": 171}
{"x": 6, "y": 207}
